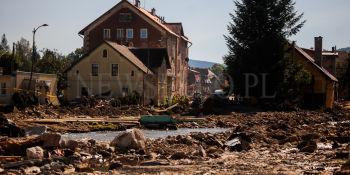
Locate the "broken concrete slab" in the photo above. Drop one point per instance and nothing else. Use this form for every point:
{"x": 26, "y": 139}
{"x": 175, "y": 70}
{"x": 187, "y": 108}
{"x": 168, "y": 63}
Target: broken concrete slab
{"x": 238, "y": 142}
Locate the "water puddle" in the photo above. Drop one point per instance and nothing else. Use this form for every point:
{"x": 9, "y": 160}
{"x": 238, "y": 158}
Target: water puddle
{"x": 342, "y": 122}
{"x": 324, "y": 146}
{"x": 107, "y": 136}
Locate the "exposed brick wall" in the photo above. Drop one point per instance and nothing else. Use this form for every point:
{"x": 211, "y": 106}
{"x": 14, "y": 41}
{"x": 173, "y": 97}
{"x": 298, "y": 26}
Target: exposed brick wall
{"x": 95, "y": 36}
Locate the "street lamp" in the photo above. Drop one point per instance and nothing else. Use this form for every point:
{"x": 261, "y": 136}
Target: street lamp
{"x": 33, "y": 55}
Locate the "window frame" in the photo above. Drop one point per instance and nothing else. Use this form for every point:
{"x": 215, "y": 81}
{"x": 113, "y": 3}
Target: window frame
{"x": 127, "y": 33}
{"x": 121, "y": 31}
{"x": 141, "y": 36}
{"x": 109, "y": 34}
{"x": 115, "y": 70}
{"x": 94, "y": 72}
{"x": 121, "y": 19}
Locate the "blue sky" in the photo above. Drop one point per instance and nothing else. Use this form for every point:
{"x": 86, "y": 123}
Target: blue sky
{"x": 205, "y": 22}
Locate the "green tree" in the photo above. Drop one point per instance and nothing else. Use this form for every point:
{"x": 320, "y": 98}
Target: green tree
{"x": 9, "y": 63}
{"x": 51, "y": 62}
{"x": 24, "y": 51}
{"x": 218, "y": 70}
{"x": 4, "y": 45}
{"x": 257, "y": 45}
{"x": 77, "y": 54}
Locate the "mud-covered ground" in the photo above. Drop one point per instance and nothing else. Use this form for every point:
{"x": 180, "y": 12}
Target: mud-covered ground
{"x": 294, "y": 142}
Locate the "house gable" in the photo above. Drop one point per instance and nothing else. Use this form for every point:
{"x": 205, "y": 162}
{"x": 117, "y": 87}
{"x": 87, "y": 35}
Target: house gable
{"x": 310, "y": 60}
{"x": 121, "y": 51}
{"x": 144, "y": 14}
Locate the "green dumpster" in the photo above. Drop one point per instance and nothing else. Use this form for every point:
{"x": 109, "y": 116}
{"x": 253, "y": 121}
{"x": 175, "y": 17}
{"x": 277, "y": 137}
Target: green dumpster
{"x": 164, "y": 120}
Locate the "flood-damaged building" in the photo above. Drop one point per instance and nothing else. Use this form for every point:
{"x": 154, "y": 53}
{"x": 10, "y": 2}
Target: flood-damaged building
{"x": 129, "y": 32}
{"x": 321, "y": 65}
{"x": 44, "y": 86}
{"x": 113, "y": 70}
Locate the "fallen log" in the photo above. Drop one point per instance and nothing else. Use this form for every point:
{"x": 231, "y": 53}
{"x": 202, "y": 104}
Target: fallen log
{"x": 164, "y": 110}
{"x": 10, "y": 157}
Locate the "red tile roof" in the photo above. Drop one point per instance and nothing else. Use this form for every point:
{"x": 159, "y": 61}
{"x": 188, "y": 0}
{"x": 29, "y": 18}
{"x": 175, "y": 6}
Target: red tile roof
{"x": 154, "y": 18}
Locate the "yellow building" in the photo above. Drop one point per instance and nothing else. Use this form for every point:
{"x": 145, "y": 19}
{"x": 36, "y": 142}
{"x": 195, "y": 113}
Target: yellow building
{"x": 44, "y": 85}
{"x": 112, "y": 70}
{"x": 321, "y": 91}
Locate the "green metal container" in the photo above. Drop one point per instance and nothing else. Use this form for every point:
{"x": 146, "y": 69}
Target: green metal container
{"x": 157, "y": 120}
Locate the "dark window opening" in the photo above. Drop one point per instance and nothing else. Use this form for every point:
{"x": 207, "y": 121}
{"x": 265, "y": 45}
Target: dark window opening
{"x": 125, "y": 17}
{"x": 114, "y": 69}
{"x": 125, "y": 91}
{"x": 105, "y": 53}
{"x": 132, "y": 73}
{"x": 94, "y": 69}
{"x": 84, "y": 92}
{"x": 77, "y": 72}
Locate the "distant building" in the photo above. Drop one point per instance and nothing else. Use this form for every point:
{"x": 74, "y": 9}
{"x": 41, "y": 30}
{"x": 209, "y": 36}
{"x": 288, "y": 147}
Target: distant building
{"x": 341, "y": 63}
{"x": 203, "y": 81}
{"x": 321, "y": 91}
{"x": 43, "y": 85}
{"x": 130, "y": 25}
{"x": 335, "y": 62}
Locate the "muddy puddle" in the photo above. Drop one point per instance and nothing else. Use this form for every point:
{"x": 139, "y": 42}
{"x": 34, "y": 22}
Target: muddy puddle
{"x": 106, "y": 136}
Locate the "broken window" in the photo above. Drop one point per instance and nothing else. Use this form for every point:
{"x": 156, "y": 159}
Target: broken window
{"x": 114, "y": 69}
{"x": 125, "y": 17}
{"x": 94, "y": 69}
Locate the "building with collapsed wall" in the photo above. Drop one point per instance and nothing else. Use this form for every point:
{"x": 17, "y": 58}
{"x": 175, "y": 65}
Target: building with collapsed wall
{"x": 43, "y": 85}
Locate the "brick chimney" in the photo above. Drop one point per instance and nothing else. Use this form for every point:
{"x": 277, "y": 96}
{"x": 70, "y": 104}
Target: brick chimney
{"x": 153, "y": 12}
{"x": 138, "y": 3}
{"x": 318, "y": 50}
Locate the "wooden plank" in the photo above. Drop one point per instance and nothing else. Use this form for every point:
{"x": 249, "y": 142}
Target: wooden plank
{"x": 10, "y": 157}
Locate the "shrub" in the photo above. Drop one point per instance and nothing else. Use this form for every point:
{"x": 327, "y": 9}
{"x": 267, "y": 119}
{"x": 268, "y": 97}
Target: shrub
{"x": 130, "y": 99}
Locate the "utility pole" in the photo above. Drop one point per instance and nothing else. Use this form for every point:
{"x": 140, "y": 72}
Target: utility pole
{"x": 13, "y": 59}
